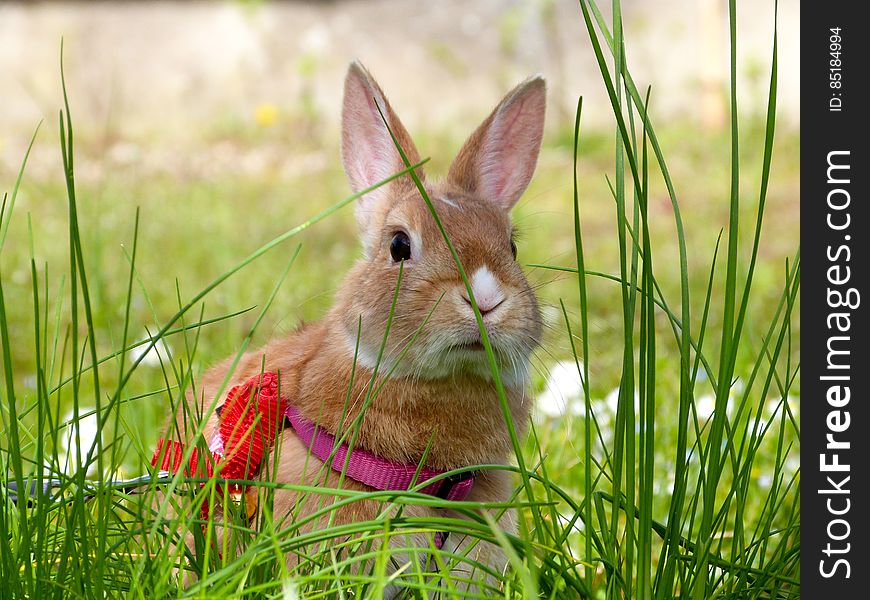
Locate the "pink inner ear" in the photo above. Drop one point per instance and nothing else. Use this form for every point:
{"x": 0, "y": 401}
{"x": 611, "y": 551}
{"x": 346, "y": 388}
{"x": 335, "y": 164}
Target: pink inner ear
{"x": 382, "y": 153}
{"x": 368, "y": 159}
{"x": 510, "y": 150}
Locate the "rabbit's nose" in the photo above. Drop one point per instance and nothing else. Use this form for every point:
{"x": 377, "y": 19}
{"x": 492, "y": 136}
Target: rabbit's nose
{"x": 486, "y": 291}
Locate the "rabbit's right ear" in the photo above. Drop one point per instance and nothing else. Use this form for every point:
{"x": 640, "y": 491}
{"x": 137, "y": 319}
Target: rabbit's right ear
{"x": 367, "y": 149}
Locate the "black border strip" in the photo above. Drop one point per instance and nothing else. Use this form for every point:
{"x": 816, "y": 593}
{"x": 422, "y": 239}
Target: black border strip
{"x": 835, "y": 424}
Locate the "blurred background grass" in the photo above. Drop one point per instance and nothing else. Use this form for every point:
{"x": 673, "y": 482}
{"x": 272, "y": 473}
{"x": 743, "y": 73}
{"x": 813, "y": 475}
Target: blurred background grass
{"x": 219, "y": 120}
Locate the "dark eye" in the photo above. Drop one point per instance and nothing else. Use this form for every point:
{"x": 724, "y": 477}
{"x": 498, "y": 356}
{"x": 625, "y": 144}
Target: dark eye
{"x": 514, "y": 249}
{"x": 400, "y": 247}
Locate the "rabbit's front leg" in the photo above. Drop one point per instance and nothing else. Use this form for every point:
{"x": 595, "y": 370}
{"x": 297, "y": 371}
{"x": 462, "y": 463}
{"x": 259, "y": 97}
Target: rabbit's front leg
{"x": 490, "y": 486}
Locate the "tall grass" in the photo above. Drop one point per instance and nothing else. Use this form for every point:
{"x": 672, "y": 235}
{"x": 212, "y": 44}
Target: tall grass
{"x": 708, "y": 548}
{"x": 661, "y": 501}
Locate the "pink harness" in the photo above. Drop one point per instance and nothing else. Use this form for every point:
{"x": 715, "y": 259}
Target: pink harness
{"x": 374, "y": 471}
{"x": 249, "y": 423}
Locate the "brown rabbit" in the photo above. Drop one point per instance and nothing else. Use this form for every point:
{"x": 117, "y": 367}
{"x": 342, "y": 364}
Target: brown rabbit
{"x": 441, "y": 393}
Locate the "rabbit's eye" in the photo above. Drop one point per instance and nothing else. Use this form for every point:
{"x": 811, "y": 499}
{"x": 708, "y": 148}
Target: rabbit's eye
{"x": 400, "y": 247}
{"x": 514, "y": 249}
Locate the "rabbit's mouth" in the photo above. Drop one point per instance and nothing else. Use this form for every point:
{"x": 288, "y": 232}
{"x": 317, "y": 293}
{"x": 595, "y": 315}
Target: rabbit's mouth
{"x": 472, "y": 345}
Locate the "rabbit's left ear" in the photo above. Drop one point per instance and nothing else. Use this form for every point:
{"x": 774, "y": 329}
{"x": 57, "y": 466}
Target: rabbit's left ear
{"x": 367, "y": 149}
{"x": 498, "y": 160}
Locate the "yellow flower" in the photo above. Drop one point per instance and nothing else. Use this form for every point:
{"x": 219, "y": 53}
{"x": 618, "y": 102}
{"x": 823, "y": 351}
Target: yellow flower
{"x": 266, "y": 114}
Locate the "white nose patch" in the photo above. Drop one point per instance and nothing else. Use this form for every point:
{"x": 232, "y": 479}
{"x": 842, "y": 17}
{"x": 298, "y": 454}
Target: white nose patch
{"x": 486, "y": 290}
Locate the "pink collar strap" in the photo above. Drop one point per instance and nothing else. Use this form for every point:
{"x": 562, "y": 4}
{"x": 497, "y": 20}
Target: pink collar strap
{"x": 374, "y": 471}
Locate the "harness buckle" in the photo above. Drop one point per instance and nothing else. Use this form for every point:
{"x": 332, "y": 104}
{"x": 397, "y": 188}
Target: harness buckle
{"x": 449, "y": 482}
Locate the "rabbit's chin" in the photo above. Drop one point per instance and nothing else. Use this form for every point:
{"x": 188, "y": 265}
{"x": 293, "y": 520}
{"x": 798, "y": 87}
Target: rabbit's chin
{"x": 459, "y": 359}
{"x": 471, "y": 359}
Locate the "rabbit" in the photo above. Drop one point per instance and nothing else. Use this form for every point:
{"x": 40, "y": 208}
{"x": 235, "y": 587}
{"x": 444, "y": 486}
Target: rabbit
{"x": 440, "y": 399}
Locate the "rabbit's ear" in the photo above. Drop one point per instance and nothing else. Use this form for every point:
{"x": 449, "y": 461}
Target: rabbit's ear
{"x": 498, "y": 160}
{"x": 367, "y": 150}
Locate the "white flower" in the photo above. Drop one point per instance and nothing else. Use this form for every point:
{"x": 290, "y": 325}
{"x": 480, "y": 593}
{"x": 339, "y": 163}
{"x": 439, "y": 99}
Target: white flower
{"x": 705, "y": 406}
{"x": 563, "y": 392}
{"x": 153, "y": 354}
{"x": 289, "y": 590}
{"x": 86, "y": 430}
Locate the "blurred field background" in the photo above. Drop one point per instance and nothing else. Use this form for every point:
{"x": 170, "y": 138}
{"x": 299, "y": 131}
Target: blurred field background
{"x": 220, "y": 121}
